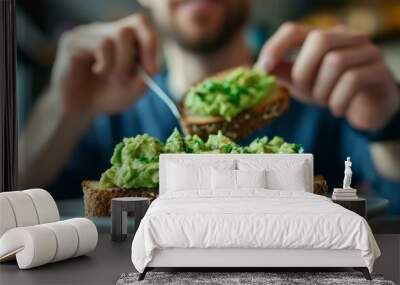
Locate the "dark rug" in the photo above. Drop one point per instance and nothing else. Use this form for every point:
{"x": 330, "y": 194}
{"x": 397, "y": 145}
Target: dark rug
{"x": 229, "y": 278}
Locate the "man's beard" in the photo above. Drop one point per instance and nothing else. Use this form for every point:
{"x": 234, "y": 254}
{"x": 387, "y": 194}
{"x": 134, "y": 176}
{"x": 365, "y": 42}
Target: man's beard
{"x": 232, "y": 24}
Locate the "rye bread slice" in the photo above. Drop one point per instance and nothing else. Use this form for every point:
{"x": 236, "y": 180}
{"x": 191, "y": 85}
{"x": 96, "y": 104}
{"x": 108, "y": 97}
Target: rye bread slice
{"x": 245, "y": 123}
{"x": 97, "y": 200}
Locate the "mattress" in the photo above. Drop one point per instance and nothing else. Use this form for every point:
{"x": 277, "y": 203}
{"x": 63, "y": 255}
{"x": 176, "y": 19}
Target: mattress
{"x": 250, "y": 219}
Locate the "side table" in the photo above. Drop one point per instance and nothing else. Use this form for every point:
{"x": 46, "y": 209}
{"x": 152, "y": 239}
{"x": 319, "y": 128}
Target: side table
{"x": 357, "y": 205}
{"x": 120, "y": 207}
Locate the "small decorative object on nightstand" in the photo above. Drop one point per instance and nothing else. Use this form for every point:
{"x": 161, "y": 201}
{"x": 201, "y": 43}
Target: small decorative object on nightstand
{"x": 347, "y": 196}
{"x": 120, "y": 207}
{"x": 357, "y": 205}
{"x": 345, "y": 193}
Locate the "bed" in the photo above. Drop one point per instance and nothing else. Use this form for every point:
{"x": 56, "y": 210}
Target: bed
{"x": 246, "y": 211}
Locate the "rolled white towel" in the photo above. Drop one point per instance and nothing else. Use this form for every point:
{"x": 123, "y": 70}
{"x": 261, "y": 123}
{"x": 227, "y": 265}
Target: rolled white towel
{"x": 40, "y": 244}
{"x": 33, "y": 246}
{"x": 26, "y": 208}
{"x": 7, "y": 218}
{"x": 45, "y": 205}
{"x": 87, "y": 235}
{"x": 23, "y": 208}
{"x": 67, "y": 240}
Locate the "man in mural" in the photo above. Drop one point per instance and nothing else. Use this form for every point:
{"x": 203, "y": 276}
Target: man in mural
{"x": 344, "y": 98}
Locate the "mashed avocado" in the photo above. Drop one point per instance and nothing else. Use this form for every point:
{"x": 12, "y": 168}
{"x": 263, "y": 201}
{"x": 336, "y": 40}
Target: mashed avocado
{"x": 221, "y": 144}
{"x": 241, "y": 89}
{"x": 194, "y": 144}
{"x": 190, "y": 144}
{"x": 134, "y": 163}
{"x": 175, "y": 143}
{"x": 275, "y": 145}
{"x": 259, "y": 145}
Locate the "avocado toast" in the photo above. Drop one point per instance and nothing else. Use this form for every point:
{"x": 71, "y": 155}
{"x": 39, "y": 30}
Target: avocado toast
{"x": 236, "y": 102}
{"x": 134, "y": 165}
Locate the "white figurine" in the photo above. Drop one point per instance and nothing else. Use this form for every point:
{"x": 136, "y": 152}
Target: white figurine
{"x": 347, "y": 174}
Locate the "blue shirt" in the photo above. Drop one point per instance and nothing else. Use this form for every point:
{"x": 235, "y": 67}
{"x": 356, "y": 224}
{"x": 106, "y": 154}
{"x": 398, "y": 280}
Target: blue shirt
{"x": 328, "y": 138}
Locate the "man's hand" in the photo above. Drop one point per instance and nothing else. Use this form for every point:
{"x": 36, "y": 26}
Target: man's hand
{"x": 336, "y": 68}
{"x": 94, "y": 70}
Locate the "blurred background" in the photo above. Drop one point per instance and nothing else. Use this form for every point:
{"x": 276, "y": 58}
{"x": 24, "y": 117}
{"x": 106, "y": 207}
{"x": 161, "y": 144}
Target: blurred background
{"x": 41, "y": 22}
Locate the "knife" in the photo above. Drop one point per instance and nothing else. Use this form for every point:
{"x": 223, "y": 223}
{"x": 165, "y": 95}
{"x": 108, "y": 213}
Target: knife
{"x": 159, "y": 92}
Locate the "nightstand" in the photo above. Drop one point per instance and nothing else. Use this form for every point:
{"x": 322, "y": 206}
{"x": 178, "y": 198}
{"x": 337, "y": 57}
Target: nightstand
{"x": 358, "y": 205}
{"x": 120, "y": 207}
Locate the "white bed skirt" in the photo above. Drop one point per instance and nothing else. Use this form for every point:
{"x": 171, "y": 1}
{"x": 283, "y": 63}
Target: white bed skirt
{"x": 193, "y": 257}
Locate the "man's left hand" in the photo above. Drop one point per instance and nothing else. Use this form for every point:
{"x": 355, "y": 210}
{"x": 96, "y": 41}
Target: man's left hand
{"x": 337, "y": 68}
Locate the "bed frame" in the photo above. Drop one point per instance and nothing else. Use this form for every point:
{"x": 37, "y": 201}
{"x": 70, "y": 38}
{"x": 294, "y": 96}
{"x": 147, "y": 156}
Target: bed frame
{"x": 246, "y": 259}
{"x": 249, "y": 259}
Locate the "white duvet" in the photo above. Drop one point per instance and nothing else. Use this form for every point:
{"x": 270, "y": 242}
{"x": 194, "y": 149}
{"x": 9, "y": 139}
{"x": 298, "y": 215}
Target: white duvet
{"x": 250, "y": 219}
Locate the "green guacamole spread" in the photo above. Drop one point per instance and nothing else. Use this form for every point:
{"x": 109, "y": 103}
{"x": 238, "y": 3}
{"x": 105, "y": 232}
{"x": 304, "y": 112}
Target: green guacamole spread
{"x": 240, "y": 89}
{"x": 275, "y": 145}
{"x": 134, "y": 163}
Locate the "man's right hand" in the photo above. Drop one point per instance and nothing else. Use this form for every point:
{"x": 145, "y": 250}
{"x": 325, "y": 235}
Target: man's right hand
{"x": 94, "y": 70}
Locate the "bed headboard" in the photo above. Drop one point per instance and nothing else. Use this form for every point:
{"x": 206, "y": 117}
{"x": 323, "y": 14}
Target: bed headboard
{"x": 209, "y": 159}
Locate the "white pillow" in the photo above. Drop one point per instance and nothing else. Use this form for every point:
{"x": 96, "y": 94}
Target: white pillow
{"x": 251, "y": 178}
{"x": 282, "y": 175}
{"x": 226, "y": 179}
{"x": 294, "y": 179}
{"x": 191, "y": 175}
{"x": 223, "y": 179}
{"x": 183, "y": 178}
